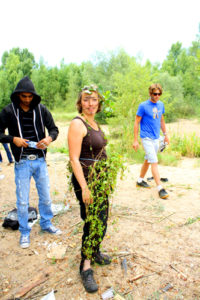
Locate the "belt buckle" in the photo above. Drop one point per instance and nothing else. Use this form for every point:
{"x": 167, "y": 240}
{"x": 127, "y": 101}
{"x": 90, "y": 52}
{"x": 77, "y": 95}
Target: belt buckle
{"x": 32, "y": 157}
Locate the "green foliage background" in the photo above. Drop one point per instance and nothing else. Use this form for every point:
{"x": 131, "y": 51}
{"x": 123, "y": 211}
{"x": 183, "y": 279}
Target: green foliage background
{"x": 124, "y": 82}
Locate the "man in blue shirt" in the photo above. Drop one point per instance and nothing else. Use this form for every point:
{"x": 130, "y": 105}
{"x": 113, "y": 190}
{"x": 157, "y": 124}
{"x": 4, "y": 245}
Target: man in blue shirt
{"x": 151, "y": 120}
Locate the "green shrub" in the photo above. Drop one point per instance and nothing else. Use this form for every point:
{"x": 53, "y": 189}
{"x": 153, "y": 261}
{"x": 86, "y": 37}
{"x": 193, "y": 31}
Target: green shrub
{"x": 186, "y": 145}
{"x": 58, "y": 149}
{"x": 169, "y": 158}
{"x": 63, "y": 115}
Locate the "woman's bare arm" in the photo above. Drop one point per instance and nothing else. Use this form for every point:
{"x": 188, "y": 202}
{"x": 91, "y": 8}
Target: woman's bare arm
{"x": 76, "y": 133}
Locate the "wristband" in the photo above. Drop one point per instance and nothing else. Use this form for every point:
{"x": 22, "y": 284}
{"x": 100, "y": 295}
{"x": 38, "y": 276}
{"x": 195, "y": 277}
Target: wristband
{"x": 164, "y": 133}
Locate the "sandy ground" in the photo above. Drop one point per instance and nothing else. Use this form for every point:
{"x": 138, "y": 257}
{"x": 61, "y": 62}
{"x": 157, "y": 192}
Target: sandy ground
{"x": 157, "y": 239}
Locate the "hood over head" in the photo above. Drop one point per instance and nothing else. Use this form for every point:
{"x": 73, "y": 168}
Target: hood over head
{"x": 25, "y": 85}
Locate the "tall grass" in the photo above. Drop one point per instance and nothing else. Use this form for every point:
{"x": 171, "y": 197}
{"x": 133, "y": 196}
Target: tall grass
{"x": 63, "y": 150}
{"x": 63, "y": 116}
{"x": 121, "y": 139}
{"x": 122, "y": 143}
{"x": 187, "y": 145}
{"x": 169, "y": 158}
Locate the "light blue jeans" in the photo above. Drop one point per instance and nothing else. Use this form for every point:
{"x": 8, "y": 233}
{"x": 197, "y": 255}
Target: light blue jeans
{"x": 24, "y": 170}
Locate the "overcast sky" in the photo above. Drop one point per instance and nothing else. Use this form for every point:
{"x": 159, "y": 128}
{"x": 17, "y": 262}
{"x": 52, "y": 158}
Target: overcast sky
{"x": 76, "y": 29}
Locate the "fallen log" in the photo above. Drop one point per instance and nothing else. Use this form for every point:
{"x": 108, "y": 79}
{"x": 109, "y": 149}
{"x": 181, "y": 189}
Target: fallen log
{"x": 41, "y": 277}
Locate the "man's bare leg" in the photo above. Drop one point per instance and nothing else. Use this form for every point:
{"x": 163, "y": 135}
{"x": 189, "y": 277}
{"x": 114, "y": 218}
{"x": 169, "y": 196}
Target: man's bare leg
{"x": 140, "y": 181}
{"x": 154, "y": 169}
{"x": 155, "y": 173}
{"x": 144, "y": 169}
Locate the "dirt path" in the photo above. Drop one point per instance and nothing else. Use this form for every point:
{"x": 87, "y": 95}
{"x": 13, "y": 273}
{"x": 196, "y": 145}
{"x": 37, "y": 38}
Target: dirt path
{"x": 158, "y": 238}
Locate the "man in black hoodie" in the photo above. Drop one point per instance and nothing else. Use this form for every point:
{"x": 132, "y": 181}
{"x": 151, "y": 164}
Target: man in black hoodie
{"x": 26, "y": 120}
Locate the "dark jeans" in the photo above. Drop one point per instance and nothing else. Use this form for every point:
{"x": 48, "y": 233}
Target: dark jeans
{"x": 7, "y": 152}
{"x": 101, "y": 212}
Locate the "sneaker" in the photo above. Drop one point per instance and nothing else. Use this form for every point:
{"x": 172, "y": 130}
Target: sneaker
{"x": 24, "y": 241}
{"x": 163, "y": 194}
{"x": 163, "y": 179}
{"x": 143, "y": 184}
{"x": 102, "y": 259}
{"x": 89, "y": 282}
{"x": 150, "y": 178}
{"x": 53, "y": 230}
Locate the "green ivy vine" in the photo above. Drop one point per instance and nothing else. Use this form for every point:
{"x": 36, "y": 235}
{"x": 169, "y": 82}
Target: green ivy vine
{"x": 102, "y": 180}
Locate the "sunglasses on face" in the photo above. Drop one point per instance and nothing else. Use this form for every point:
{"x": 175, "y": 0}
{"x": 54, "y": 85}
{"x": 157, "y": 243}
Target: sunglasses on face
{"x": 156, "y": 94}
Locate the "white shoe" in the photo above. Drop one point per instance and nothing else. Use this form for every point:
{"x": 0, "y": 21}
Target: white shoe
{"x": 24, "y": 241}
{"x": 53, "y": 230}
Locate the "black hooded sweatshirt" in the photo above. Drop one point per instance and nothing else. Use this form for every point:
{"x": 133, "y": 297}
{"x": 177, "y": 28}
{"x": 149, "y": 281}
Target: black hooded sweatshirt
{"x": 11, "y": 119}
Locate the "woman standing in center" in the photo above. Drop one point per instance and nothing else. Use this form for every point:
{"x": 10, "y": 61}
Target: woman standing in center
{"x": 86, "y": 147}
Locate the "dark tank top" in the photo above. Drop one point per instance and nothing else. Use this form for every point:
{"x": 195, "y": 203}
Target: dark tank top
{"x": 92, "y": 148}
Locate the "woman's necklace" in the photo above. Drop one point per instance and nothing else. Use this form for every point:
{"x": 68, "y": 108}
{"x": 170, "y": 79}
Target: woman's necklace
{"x": 93, "y": 124}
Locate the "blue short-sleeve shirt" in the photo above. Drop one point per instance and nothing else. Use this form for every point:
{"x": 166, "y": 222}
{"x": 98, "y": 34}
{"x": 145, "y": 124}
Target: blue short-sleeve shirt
{"x": 151, "y": 114}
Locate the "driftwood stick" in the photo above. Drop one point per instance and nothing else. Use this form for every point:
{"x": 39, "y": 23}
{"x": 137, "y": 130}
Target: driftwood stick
{"x": 69, "y": 230}
{"x": 130, "y": 216}
{"x": 154, "y": 273}
{"x": 194, "y": 254}
{"x": 136, "y": 277}
{"x": 155, "y": 262}
{"x": 42, "y": 292}
{"x": 33, "y": 282}
{"x": 152, "y": 270}
{"x": 184, "y": 277}
{"x": 122, "y": 253}
{"x": 142, "y": 276}
{"x": 75, "y": 224}
{"x": 39, "y": 295}
{"x": 166, "y": 217}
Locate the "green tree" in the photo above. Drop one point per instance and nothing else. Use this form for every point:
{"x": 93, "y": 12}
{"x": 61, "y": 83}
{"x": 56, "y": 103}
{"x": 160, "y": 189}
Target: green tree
{"x": 173, "y": 97}
{"x": 191, "y": 76}
{"x": 185, "y": 63}
{"x": 74, "y": 86}
{"x": 16, "y": 64}
{"x": 47, "y": 84}
{"x": 171, "y": 64}
{"x": 107, "y": 64}
{"x": 63, "y": 78}
{"x": 9, "y": 76}
{"x": 130, "y": 89}
{"x": 26, "y": 60}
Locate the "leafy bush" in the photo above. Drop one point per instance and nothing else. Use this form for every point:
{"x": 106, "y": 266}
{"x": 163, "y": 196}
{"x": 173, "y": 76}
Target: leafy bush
{"x": 186, "y": 145}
